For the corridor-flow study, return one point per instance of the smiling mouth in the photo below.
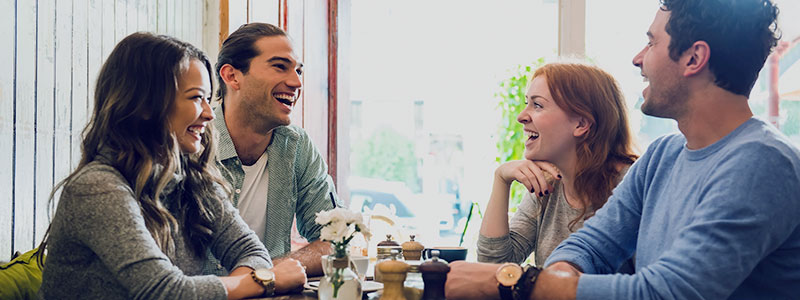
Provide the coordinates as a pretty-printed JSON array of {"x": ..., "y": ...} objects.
[
  {"x": 286, "y": 99},
  {"x": 531, "y": 135}
]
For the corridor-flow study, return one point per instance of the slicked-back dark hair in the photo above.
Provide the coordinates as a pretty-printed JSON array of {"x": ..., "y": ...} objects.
[
  {"x": 740, "y": 33},
  {"x": 239, "y": 49}
]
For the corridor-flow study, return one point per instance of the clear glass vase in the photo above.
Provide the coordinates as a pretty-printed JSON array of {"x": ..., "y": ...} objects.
[{"x": 341, "y": 280}]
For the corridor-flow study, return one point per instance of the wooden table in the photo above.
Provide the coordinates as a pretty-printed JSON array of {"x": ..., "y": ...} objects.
[{"x": 305, "y": 295}]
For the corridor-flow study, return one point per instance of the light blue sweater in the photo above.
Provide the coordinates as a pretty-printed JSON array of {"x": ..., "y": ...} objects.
[{"x": 714, "y": 223}]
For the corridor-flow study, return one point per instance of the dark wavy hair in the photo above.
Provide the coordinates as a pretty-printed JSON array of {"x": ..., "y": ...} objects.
[
  {"x": 239, "y": 49},
  {"x": 740, "y": 33},
  {"x": 593, "y": 94},
  {"x": 135, "y": 93}
]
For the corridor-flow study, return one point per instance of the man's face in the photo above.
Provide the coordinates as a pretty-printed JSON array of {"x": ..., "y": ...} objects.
[
  {"x": 272, "y": 85},
  {"x": 667, "y": 94}
]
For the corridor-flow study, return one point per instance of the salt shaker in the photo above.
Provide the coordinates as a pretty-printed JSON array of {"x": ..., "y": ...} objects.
[
  {"x": 394, "y": 274},
  {"x": 434, "y": 274},
  {"x": 385, "y": 250}
]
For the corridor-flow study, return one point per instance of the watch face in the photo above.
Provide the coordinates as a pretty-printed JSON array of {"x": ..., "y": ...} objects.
[
  {"x": 509, "y": 274},
  {"x": 264, "y": 274}
]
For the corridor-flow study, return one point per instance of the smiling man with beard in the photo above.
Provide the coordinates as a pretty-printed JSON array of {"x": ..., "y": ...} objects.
[{"x": 275, "y": 170}]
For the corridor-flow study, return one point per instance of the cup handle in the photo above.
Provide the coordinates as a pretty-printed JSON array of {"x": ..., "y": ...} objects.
[{"x": 425, "y": 254}]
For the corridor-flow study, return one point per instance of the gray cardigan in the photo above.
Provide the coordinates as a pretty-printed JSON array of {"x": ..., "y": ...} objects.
[{"x": 99, "y": 247}]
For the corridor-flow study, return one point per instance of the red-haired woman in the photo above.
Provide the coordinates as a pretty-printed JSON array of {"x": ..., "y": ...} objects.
[{"x": 578, "y": 147}]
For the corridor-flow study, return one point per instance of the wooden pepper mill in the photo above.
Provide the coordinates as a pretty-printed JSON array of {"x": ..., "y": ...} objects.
[
  {"x": 394, "y": 274},
  {"x": 434, "y": 274},
  {"x": 412, "y": 250}
]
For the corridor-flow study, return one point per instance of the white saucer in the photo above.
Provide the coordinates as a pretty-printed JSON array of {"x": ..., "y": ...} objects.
[{"x": 366, "y": 287}]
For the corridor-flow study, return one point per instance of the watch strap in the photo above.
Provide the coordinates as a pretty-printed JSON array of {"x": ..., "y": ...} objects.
[
  {"x": 506, "y": 292},
  {"x": 269, "y": 285},
  {"x": 524, "y": 287}
]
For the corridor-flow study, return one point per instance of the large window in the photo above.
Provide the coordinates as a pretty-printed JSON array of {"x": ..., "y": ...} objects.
[
  {"x": 422, "y": 106},
  {"x": 611, "y": 42}
]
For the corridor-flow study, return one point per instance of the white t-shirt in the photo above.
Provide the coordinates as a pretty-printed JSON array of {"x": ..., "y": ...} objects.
[{"x": 253, "y": 196}]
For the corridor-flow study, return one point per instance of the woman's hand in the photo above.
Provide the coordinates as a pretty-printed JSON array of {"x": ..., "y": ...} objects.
[
  {"x": 532, "y": 174},
  {"x": 289, "y": 276}
]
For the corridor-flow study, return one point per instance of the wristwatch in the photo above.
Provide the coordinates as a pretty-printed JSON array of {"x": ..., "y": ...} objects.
[
  {"x": 265, "y": 278},
  {"x": 507, "y": 277}
]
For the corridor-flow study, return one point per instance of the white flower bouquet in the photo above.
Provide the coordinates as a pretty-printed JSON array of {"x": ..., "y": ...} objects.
[{"x": 339, "y": 227}]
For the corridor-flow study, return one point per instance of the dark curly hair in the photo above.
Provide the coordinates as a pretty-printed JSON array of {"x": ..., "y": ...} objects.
[{"x": 740, "y": 33}]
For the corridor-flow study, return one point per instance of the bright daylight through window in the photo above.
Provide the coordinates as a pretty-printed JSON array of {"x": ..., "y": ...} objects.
[{"x": 430, "y": 116}]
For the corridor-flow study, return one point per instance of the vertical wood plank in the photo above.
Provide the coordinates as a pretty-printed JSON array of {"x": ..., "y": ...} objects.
[
  {"x": 295, "y": 14},
  {"x": 161, "y": 15},
  {"x": 132, "y": 17},
  {"x": 141, "y": 23},
  {"x": 79, "y": 77},
  {"x": 45, "y": 87},
  {"x": 120, "y": 22},
  {"x": 265, "y": 11},
  {"x": 63, "y": 95},
  {"x": 7, "y": 19},
  {"x": 152, "y": 15},
  {"x": 95, "y": 54},
  {"x": 108, "y": 38},
  {"x": 180, "y": 17},
  {"x": 25, "y": 115},
  {"x": 200, "y": 24},
  {"x": 171, "y": 15},
  {"x": 315, "y": 55}
]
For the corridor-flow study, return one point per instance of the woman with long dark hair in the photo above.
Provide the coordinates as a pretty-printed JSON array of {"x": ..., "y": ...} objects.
[{"x": 137, "y": 217}]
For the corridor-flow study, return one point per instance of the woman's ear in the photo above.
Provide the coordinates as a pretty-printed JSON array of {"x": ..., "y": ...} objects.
[{"x": 582, "y": 127}]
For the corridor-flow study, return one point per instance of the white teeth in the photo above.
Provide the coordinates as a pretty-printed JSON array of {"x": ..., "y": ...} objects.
[
  {"x": 285, "y": 97},
  {"x": 531, "y": 134},
  {"x": 198, "y": 130}
]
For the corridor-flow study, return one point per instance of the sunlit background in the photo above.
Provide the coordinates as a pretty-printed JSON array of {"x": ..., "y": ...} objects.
[{"x": 425, "y": 83}]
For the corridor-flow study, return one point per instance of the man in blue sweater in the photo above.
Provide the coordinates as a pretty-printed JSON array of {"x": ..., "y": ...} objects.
[{"x": 711, "y": 213}]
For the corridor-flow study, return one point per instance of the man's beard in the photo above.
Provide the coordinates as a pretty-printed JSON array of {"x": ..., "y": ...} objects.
[{"x": 667, "y": 102}]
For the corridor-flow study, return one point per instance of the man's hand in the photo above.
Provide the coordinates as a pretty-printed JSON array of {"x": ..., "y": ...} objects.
[
  {"x": 289, "y": 276},
  {"x": 558, "y": 281},
  {"x": 471, "y": 281},
  {"x": 309, "y": 256}
]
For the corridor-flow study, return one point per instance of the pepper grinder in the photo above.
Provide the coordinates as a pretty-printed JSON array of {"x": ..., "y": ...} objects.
[
  {"x": 434, "y": 274},
  {"x": 412, "y": 250},
  {"x": 393, "y": 274}
]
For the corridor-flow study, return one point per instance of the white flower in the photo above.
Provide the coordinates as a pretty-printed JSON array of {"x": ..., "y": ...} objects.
[
  {"x": 335, "y": 231},
  {"x": 340, "y": 224}
]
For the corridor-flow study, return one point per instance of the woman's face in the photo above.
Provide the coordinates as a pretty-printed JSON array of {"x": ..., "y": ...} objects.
[
  {"x": 549, "y": 130},
  {"x": 191, "y": 111}
]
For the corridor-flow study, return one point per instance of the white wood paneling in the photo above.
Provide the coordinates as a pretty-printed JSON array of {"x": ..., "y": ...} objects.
[
  {"x": 79, "y": 78},
  {"x": 264, "y": 11},
  {"x": 107, "y": 30},
  {"x": 24, "y": 116},
  {"x": 55, "y": 51},
  {"x": 63, "y": 95},
  {"x": 7, "y": 27},
  {"x": 161, "y": 16},
  {"x": 45, "y": 88}
]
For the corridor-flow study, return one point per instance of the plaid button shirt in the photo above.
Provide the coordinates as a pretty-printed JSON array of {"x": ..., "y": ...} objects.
[{"x": 299, "y": 183}]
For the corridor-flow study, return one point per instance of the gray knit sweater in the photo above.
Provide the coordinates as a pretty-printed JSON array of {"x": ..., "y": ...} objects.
[
  {"x": 536, "y": 229},
  {"x": 99, "y": 247},
  {"x": 532, "y": 230}
]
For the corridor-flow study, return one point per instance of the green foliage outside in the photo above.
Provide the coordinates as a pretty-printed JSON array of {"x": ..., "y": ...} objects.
[
  {"x": 387, "y": 155},
  {"x": 510, "y": 138}
]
